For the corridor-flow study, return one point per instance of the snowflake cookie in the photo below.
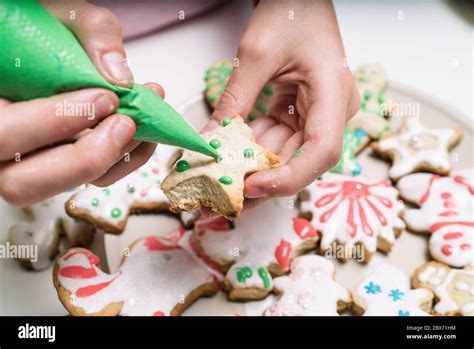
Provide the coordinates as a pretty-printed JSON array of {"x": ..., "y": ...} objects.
[
  {"x": 259, "y": 245},
  {"x": 158, "y": 276},
  {"x": 198, "y": 180},
  {"x": 216, "y": 79},
  {"x": 352, "y": 211},
  {"x": 453, "y": 288},
  {"x": 446, "y": 206},
  {"x": 51, "y": 230},
  {"x": 309, "y": 290},
  {"x": 139, "y": 192},
  {"x": 418, "y": 148},
  {"x": 353, "y": 143},
  {"x": 387, "y": 292}
]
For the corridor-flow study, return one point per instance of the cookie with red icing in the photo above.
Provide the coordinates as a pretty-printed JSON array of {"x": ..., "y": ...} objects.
[
  {"x": 139, "y": 192},
  {"x": 445, "y": 210},
  {"x": 352, "y": 211},
  {"x": 254, "y": 248},
  {"x": 159, "y": 276}
]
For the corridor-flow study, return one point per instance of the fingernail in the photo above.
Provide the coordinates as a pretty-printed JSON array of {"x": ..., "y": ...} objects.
[
  {"x": 104, "y": 105},
  {"x": 255, "y": 192},
  {"x": 121, "y": 132},
  {"x": 116, "y": 66}
]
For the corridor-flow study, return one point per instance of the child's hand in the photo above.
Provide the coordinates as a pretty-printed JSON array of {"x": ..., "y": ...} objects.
[
  {"x": 303, "y": 58},
  {"x": 35, "y": 162}
]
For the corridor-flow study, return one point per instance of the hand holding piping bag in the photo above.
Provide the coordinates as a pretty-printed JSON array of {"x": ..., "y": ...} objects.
[{"x": 304, "y": 60}]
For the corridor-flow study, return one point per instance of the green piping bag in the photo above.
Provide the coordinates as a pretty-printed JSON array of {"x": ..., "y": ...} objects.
[{"x": 39, "y": 57}]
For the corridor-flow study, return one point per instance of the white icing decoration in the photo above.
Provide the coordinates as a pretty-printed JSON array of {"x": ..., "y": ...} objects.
[
  {"x": 416, "y": 144},
  {"x": 386, "y": 292},
  {"x": 335, "y": 189},
  {"x": 433, "y": 276},
  {"x": 309, "y": 290}
]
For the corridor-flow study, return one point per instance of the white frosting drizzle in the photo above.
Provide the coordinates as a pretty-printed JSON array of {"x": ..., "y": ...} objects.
[{"x": 309, "y": 290}]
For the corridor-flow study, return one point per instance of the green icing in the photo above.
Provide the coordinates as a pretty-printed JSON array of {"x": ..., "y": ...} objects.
[
  {"x": 116, "y": 213},
  {"x": 226, "y": 180},
  {"x": 260, "y": 107},
  {"x": 106, "y": 191},
  {"x": 144, "y": 174},
  {"x": 251, "y": 117},
  {"x": 267, "y": 90},
  {"x": 243, "y": 274},
  {"x": 367, "y": 94},
  {"x": 182, "y": 165},
  {"x": 95, "y": 202},
  {"x": 262, "y": 272},
  {"x": 297, "y": 153},
  {"x": 351, "y": 142},
  {"x": 248, "y": 153},
  {"x": 225, "y": 122},
  {"x": 215, "y": 143}
]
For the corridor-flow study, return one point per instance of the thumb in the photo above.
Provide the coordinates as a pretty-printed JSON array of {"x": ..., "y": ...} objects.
[
  {"x": 99, "y": 33},
  {"x": 245, "y": 83}
]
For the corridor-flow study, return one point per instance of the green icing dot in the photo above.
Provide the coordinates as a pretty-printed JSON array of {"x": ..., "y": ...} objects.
[
  {"x": 182, "y": 166},
  {"x": 267, "y": 90},
  {"x": 106, "y": 191},
  {"x": 215, "y": 143},
  {"x": 226, "y": 180},
  {"x": 243, "y": 274},
  {"x": 95, "y": 202},
  {"x": 116, "y": 213},
  {"x": 381, "y": 97},
  {"x": 144, "y": 174},
  {"x": 367, "y": 95},
  {"x": 297, "y": 153},
  {"x": 260, "y": 107},
  {"x": 363, "y": 105},
  {"x": 248, "y": 153},
  {"x": 264, "y": 276},
  {"x": 225, "y": 122},
  {"x": 252, "y": 117}
]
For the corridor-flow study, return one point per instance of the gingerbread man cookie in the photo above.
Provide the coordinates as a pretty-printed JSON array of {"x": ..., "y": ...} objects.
[
  {"x": 446, "y": 206},
  {"x": 216, "y": 79},
  {"x": 139, "y": 192},
  {"x": 352, "y": 211},
  {"x": 386, "y": 292},
  {"x": 454, "y": 288},
  {"x": 198, "y": 180},
  {"x": 310, "y": 290},
  {"x": 371, "y": 81},
  {"x": 353, "y": 143},
  {"x": 418, "y": 148},
  {"x": 251, "y": 253},
  {"x": 157, "y": 277},
  {"x": 51, "y": 230}
]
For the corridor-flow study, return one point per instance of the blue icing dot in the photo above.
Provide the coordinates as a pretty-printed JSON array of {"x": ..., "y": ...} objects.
[
  {"x": 358, "y": 170},
  {"x": 360, "y": 133},
  {"x": 403, "y": 313}
]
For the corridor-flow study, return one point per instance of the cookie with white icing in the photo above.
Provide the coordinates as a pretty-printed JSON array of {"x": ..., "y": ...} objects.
[
  {"x": 216, "y": 79},
  {"x": 445, "y": 210},
  {"x": 371, "y": 81},
  {"x": 354, "y": 141},
  {"x": 309, "y": 290},
  {"x": 350, "y": 211},
  {"x": 387, "y": 292},
  {"x": 50, "y": 229},
  {"x": 257, "y": 246},
  {"x": 139, "y": 192},
  {"x": 453, "y": 288},
  {"x": 158, "y": 277},
  {"x": 418, "y": 148},
  {"x": 198, "y": 180}
]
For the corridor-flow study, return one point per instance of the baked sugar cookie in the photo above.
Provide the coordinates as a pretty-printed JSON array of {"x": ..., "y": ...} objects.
[
  {"x": 257, "y": 246},
  {"x": 387, "y": 292},
  {"x": 157, "y": 277},
  {"x": 418, "y": 148},
  {"x": 352, "y": 211},
  {"x": 139, "y": 192},
  {"x": 51, "y": 230},
  {"x": 309, "y": 290},
  {"x": 198, "y": 180},
  {"x": 453, "y": 288},
  {"x": 353, "y": 143},
  {"x": 446, "y": 206}
]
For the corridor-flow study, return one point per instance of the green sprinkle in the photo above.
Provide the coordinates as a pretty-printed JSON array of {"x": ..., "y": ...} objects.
[
  {"x": 367, "y": 94},
  {"x": 106, "y": 191},
  {"x": 182, "y": 166},
  {"x": 260, "y": 107},
  {"x": 381, "y": 97},
  {"x": 215, "y": 143},
  {"x": 116, "y": 213},
  {"x": 267, "y": 90},
  {"x": 363, "y": 105},
  {"x": 297, "y": 153},
  {"x": 95, "y": 202},
  {"x": 212, "y": 98},
  {"x": 248, "y": 153},
  {"x": 225, "y": 122},
  {"x": 226, "y": 180},
  {"x": 251, "y": 117},
  {"x": 144, "y": 174}
]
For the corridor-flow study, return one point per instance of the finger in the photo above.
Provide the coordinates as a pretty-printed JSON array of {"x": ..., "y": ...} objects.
[
  {"x": 47, "y": 120},
  {"x": 291, "y": 146},
  {"x": 99, "y": 33},
  {"x": 261, "y": 125},
  {"x": 138, "y": 158},
  {"x": 274, "y": 139},
  {"x": 158, "y": 89},
  {"x": 51, "y": 171}
]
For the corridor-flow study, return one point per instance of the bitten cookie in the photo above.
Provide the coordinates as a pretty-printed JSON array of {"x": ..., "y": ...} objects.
[
  {"x": 310, "y": 290},
  {"x": 453, "y": 288},
  {"x": 157, "y": 277},
  {"x": 446, "y": 206},
  {"x": 198, "y": 180},
  {"x": 371, "y": 81},
  {"x": 249, "y": 252},
  {"x": 387, "y": 292},
  {"x": 418, "y": 148},
  {"x": 352, "y": 211},
  {"x": 139, "y": 192},
  {"x": 216, "y": 79},
  {"x": 353, "y": 143},
  {"x": 51, "y": 230}
]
